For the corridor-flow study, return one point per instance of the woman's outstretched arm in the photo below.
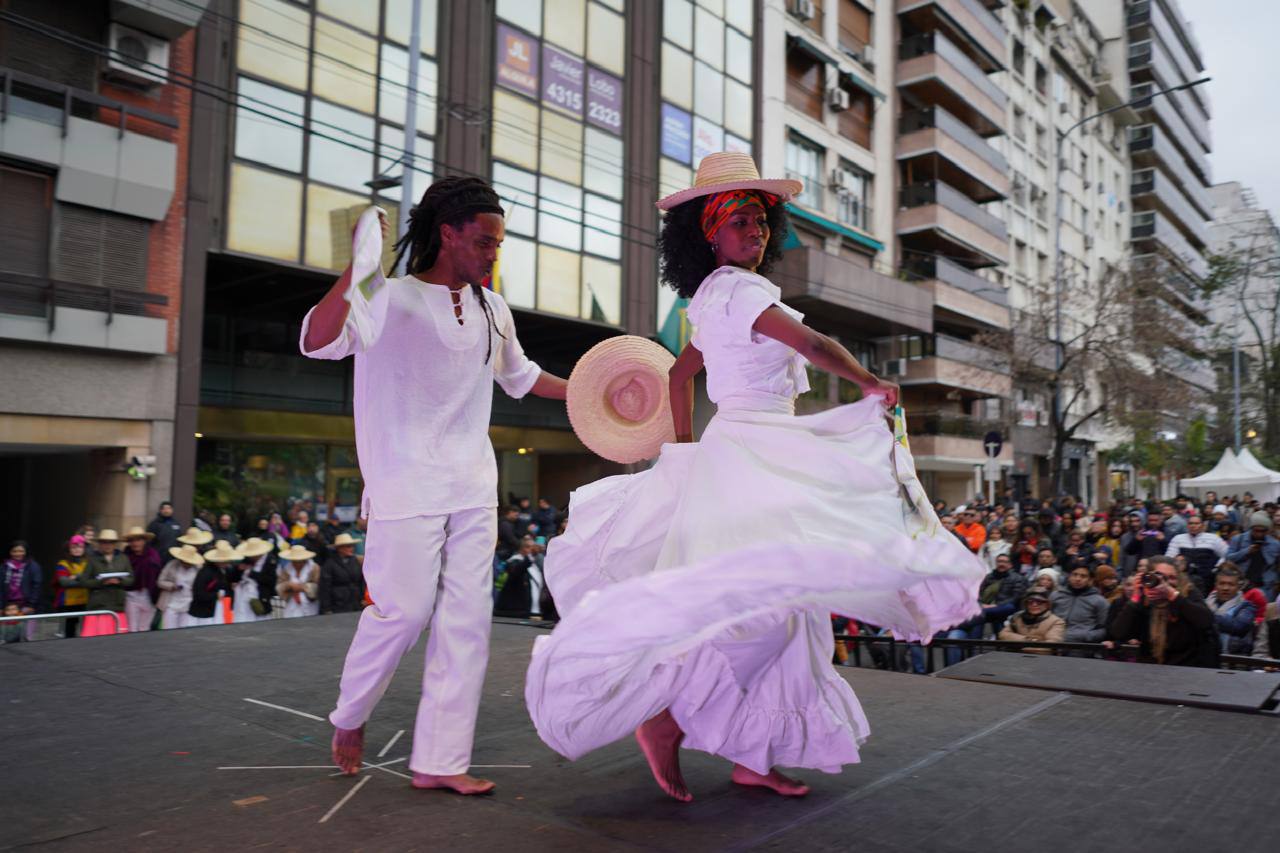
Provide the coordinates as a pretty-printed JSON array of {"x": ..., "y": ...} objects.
[
  {"x": 822, "y": 352},
  {"x": 680, "y": 378}
]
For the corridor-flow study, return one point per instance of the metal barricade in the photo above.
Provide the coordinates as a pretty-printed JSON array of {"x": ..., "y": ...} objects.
[{"x": 75, "y": 614}]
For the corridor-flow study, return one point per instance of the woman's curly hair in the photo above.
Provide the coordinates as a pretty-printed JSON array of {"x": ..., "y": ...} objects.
[{"x": 685, "y": 256}]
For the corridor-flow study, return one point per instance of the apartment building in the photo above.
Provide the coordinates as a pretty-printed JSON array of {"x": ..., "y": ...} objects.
[
  {"x": 94, "y": 134},
  {"x": 885, "y": 110}
]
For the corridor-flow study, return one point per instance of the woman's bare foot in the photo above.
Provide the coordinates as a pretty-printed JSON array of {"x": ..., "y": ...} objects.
[
  {"x": 784, "y": 785},
  {"x": 348, "y": 749},
  {"x": 660, "y": 738},
  {"x": 461, "y": 783}
]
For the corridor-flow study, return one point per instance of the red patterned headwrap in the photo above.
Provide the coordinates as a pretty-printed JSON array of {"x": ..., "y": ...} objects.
[{"x": 718, "y": 207}]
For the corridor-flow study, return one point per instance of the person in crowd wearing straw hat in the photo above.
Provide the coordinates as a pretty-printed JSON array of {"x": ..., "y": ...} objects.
[
  {"x": 711, "y": 629},
  {"x": 177, "y": 579},
  {"x": 341, "y": 581},
  {"x": 212, "y": 584},
  {"x": 107, "y": 576},
  {"x": 298, "y": 582},
  {"x": 140, "y": 596},
  {"x": 196, "y": 538},
  {"x": 428, "y": 348},
  {"x": 257, "y": 581}
]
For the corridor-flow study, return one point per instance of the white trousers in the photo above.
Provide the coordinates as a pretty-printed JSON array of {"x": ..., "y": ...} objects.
[
  {"x": 139, "y": 610},
  {"x": 424, "y": 572}
]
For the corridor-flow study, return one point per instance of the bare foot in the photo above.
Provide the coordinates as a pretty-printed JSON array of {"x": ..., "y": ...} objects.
[
  {"x": 660, "y": 738},
  {"x": 461, "y": 783},
  {"x": 784, "y": 785},
  {"x": 348, "y": 749}
]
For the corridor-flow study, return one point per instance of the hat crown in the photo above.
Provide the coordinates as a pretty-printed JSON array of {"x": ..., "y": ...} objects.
[
  {"x": 725, "y": 167},
  {"x": 108, "y": 535}
]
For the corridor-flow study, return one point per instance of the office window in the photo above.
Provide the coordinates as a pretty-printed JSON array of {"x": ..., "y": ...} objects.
[
  {"x": 264, "y": 213},
  {"x": 399, "y": 14},
  {"x": 332, "y": 161},
  {"x": 335, "y": 78},
  {"x": 559, "y": 214},
  {"x": 331, "y": 216},
  {"x": 677, "y": 22},
  {"x": 677, "y": 76},
  {"x": 26, "y": 208},
  {"x": 393, "y": 89},
  {"x": 855, "y": 122},
  {"x": 261, "y": 138},
  {"x": 852, "y": 196},
  {"x": 606, "y": 39},
  {"x": 516, "y": 271},
  {"x": 564, "y": 23},
  {"x": 601, "y": 291},
  {"x": 708, "y": 93},
  {"x": 564, "y": 269},
  {"x": 273, "y": 40},
  {"x": 602, "y": 227},
  {"x": 708, "y": 38},
  {"x": 357, "y": 13}
]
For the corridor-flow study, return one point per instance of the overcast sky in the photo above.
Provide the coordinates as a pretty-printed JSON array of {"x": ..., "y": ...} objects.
[{"x": 1239, "y": 41}]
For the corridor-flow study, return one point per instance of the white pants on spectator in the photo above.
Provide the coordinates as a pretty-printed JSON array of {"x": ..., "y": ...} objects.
[
  {"x": 425, "y": 572},
  {"x": 176, "y": 619},
  {"x": 139, "y": 610},
  {"x": 535, "y": 590}
]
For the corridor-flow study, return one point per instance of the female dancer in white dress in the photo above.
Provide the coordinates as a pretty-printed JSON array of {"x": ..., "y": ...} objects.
[{"x": 696, "y": 595}]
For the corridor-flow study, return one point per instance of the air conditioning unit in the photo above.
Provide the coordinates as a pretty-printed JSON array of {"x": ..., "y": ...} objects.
[
  {"x": 1088, "y": 242},
  {"x": 1064, "y": 107},
  {"x": 840, "y": 179},
  {"x": 894, "y": 367},
  {"x": 137, "y": 57},
  {"x": 838, "y": 99},
  {"x": 803, "y": 9}
]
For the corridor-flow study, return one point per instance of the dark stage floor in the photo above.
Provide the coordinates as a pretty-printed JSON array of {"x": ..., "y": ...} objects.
[{"x": 142, "y": 742}]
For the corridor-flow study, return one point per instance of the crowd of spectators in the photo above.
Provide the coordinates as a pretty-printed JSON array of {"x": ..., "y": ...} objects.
[
  {"x": 218, "y": 570},
  {"x": 1177, "y": 582}
]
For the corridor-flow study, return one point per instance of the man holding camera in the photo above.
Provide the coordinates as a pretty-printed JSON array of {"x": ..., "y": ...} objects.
[{"x": 1166, "y": 619}]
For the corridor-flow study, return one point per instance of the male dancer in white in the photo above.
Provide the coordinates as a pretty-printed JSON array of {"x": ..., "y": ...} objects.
[{"x": 428, "y": 348}]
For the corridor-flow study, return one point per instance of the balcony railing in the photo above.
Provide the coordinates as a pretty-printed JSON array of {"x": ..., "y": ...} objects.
[
  {"x": 1152, "y": 225},
  {"x": 941, "y": 269},
  {"x": 1172, "y": 120},
  {"x": 945, "y": 346},
  {"x": 936, "y": 192},
  {"x": 54, "y": 103},
  {"x": 1152, "y": 138},
  {"x": 937, "y": 117},
  {"x": 29, "y": 296},
  {"x": 950, "y": 423},
  {"x": 1156, "y": 183},
  {"x": 924, "y": 44}
]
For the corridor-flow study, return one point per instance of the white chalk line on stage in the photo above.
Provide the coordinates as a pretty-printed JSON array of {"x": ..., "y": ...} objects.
[
  {"x": 342, "y": 802},
  {"x": 391, "y": 743},
  {"x": 285, "y": 767},
  {"x": 383, "y": 766},
  {"x": 932, "y": 758},
  {"x": 286, "y": 710},
  {"x": 507, "y": 766}
]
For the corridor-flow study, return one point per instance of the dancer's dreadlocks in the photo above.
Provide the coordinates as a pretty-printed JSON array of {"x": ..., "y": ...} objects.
[{"x": 453, "y": 202}]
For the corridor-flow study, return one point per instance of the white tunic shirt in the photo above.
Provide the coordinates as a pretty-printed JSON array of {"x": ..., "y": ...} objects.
[
  {"x": 737, "y": 359},
  {"x": 423, "y": 394}
]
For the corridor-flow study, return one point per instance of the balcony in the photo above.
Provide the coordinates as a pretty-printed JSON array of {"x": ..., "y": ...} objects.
[
  {"x": 44, "y": 311},
  {"x": 938, "y": 218},
  {"x": 1152, "y": 189},
  {"x": 961, "y": 297},
  {"x": 974, "y": 29},
  {"x": 849, "y": 295},
  {"x": 949, "y": 149},
  {"x": 1152, "y": 234},
  {"x": 952, "y": 441},
  {"x": 1145, "y": 22},
  {"x": 1149, "y": 62},
  {"x": 1150, "y": 147},
  {"x": 108, "y": 155},
  {"x": 1162, "y": 111},
  {"x": 932, "y": 70},
  {"x": 955, "y": 364}
]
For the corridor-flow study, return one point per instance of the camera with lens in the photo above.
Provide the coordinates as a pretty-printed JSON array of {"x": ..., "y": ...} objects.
[{"x": 1151, "y": 580}]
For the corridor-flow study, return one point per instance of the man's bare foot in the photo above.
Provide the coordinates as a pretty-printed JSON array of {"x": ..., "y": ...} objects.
[
  {"x": 461, "y": 783},
  {"x": 784, "y": 785},
  {"x": 348, "y": 749},
  {"x": 660, "y": 738}
]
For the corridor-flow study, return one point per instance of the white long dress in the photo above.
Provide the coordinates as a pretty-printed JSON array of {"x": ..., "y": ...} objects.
[
  {"x": 705, "y": 584},
  {"x": 298, "y": 603},
  {"x": 246, "y": 591}
]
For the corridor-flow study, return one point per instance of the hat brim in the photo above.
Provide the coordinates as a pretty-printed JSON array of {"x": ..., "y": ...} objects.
[
  {"x": 247, "y": 552},
  {"x": 297, "y": 558},
  {"x": 784, "y": 188},
  {"x": 595, "y": 422},
  {"x": 144, "y": 535},
  {"x": 177, "y": 554}
]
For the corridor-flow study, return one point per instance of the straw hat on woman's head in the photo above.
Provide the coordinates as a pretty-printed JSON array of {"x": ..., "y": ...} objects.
[
  {"x": 254, "y": 547},
  {"x": 137, "y": 532},
  {"x": 222, "y": 552},
  {"x": 296, "y": 554},
  {"x": 344, "y": 539},
  {"x": 618, "y": 400},
  {"x": 731, "y": 170},
  {"x": 196, "y": 536},
  {"x": 187, "y": 554}
]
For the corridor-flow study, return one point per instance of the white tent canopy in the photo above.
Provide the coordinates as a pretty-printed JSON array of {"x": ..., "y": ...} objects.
[{"x": 1236, "y": 474}]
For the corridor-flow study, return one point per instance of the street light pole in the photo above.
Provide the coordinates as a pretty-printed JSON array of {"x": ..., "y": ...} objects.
[
  {"x": 1060, "y": 137},
  {"x": 410, "y": 128}
]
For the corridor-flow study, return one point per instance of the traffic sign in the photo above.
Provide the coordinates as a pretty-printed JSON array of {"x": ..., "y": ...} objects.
[{"x": 992, "y": 443}]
